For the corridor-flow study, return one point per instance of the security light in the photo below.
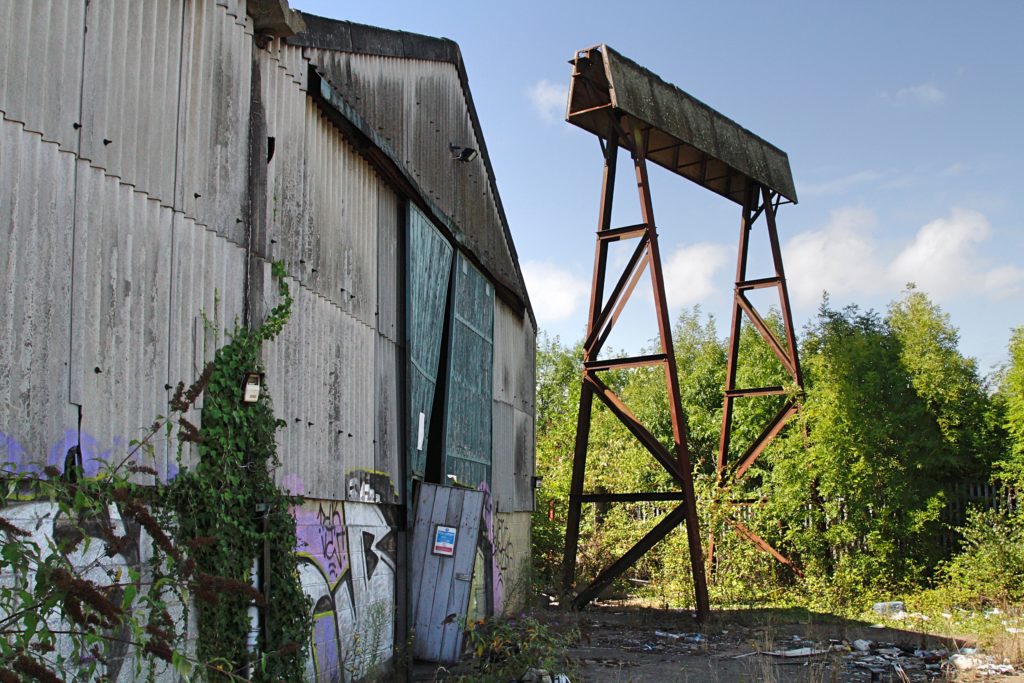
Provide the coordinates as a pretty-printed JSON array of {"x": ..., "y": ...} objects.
[{"x": 462, "y": 153}]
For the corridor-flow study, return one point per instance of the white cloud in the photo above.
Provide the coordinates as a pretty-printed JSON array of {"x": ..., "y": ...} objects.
[
  {"x": 556, "y": 294},
  {"x": 845, "y": 259},
  {"x": 841, "y": 258},
  {"x": 923, "y": 93},
  {"x": 841, "y": 184},
  {"x": 548, "y": 100},
  {"x": 943, "y": 260},
  {"x": 690, "y": 273}
]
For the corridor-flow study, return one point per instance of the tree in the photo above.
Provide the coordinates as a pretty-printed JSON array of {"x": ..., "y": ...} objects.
[
  {"x": 1010, "y": 469},
  {"x": 949, "y": 384},
  {"x": 861, "y": 503}
]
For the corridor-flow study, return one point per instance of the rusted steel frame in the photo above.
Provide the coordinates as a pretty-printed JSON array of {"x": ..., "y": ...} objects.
[
  {"x": 619, "y": 295},
  {"x": 672, "y": 382},
  {"x": 604, "y": 579},
  {"x": 758, "y": 391},
  {"x": 780, "y": 272},
  {"x": 626, "y": 417},
  {"x": 625, "y": 363},
  {"x": 616, "y": 234},
  {"x": 631, "y": 497},
  {"x": 601, "y": 247},
  {"x": 762, "y": 327},
  {"x": 764, "y": 545},
  {"x": 766, "y": 436},
  {"x": 734, "y": 333},
  {"x": 579, "y": 460},
  {"x": 638, "y": 272},
  {"x": 757, "y": 284}
]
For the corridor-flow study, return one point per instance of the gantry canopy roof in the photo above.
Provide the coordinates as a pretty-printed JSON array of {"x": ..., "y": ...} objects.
[{"x": 685, "y": 135}]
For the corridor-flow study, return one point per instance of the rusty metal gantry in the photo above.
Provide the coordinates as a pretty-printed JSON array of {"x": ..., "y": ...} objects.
[{"x": 627, "y": 106}]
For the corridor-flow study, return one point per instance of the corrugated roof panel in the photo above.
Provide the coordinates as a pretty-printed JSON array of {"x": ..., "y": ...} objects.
[
  {"x": 320, "y": 371},
  {"x": 213, "y": 149},
  {"x": 683, "y": 130},
  {"x": 119, "y": 333},
  {"x": 130, "y": 92},
  {"x": 36, "y": 209},
  {"x": 419, "y": 108},
  {"x": 41, "y": 78}
]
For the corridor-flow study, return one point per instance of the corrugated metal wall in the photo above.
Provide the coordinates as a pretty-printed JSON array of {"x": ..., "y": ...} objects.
[
  {"x": 35, "y": 295},
  {"x": 320, "y": 372},
  {"x": 41, "y": 78},
  {"x": 335, "y": 225},
  {"x": 389, "y": 355},
  {"x": 130, "y": 92},
  {"x": 213, "y": 114},
  {"x": 467, "y": 444},
  {"x": 125, "y": 175},
  {"x": 513, "y": 431}
]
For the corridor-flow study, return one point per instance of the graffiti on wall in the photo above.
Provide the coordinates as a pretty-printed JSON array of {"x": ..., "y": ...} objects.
[
  {"x": 347, "y": 566},
  {"x": 371, "y": 487},
  {"x": 98, "y": 562},
  {"x": 490, "y": 540}
]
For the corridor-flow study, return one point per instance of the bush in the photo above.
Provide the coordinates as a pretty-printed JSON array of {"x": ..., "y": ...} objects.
[{"x": 989, "y": 570}]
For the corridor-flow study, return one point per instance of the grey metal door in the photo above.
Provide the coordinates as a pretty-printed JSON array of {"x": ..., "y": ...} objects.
[{"x": 441, "y": 582}]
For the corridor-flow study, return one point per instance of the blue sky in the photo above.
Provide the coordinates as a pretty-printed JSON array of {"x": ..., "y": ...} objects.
[{"x": 902, "y": 122}]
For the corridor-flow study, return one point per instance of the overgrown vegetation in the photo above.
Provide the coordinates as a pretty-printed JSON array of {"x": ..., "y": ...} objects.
[
  {"x": 230, "y": 509},
  {"x": 858, "y": 490},
  {"x": 505, "y": 649},
  {"x": 72, "y": 608}
]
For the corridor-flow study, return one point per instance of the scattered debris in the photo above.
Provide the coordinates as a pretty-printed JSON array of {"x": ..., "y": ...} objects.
[
  {"x": 542, "y": 676},
  {"x": 888, "y": 608},
  {"x": 797, "y": 652}
]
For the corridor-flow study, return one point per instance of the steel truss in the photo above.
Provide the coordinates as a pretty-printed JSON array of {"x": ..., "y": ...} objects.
[
  {"x": 604, "y": 313},
  {"x": 759, "y": 202},
  {"x": 602, "y": 318}
]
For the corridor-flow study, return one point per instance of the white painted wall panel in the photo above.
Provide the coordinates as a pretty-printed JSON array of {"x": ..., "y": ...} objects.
[
  {"x": 213, "y": 115},
  {"x": 41, "y": 78},
  {"x": 36, "y": 214},
  {"x": 131, "y": 90},
  {"x": 320, "y": 372},
  {"x": 119, "y": 332}
]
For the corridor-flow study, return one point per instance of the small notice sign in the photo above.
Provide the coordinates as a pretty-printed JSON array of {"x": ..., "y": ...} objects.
[{"x": 444, "y": 540}]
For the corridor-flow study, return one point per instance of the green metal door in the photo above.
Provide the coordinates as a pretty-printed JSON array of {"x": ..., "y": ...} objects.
[
  {"x": 429, "y": 257},
  {"x": 467, "y": 444}
]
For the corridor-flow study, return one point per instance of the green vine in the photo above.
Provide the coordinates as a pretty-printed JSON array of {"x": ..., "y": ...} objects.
[{"x": 229, "y": 511}]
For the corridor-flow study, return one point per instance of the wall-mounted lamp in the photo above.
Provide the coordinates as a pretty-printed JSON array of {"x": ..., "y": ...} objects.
[
  {"x": 252, "y": 383},
  {"x": 462, "y": 153}
]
